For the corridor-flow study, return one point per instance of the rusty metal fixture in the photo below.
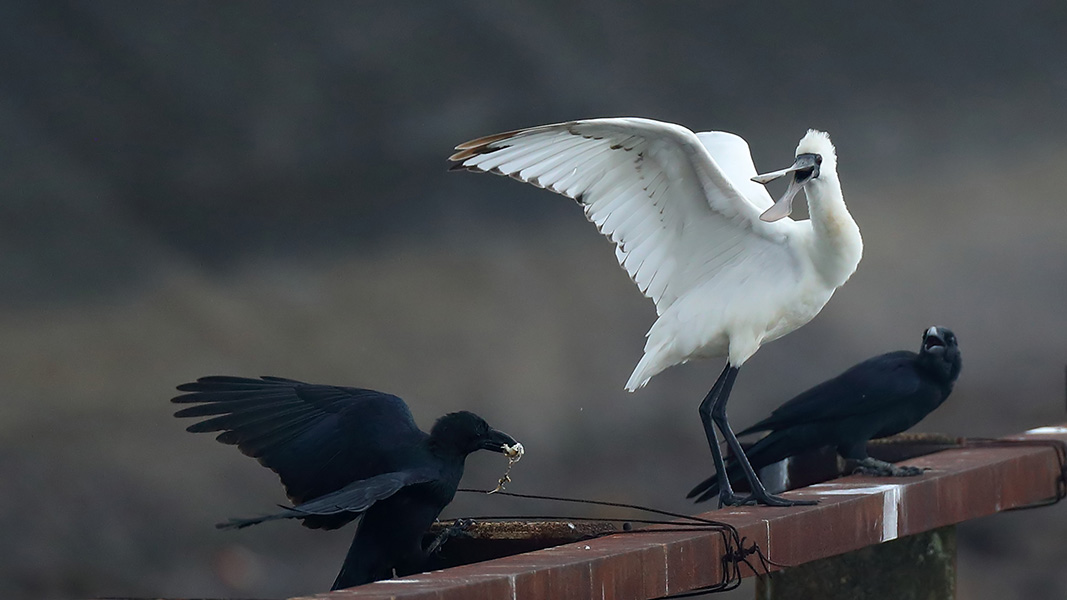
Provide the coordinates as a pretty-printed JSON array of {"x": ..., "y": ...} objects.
[{"x": 486, "y": 540}]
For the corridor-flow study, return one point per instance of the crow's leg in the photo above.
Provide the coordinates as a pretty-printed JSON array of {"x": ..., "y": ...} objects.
[{"x": 457, "y": 529}]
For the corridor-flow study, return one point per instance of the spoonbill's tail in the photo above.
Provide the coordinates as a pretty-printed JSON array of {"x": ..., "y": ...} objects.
[{"x": 650, "y": 365}]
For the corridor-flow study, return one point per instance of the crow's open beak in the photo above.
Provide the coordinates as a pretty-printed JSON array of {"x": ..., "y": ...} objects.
[
  {"x": 804, "y": 170},
  {"x": 498, "y": 441},
  {"x": 933, "y": 339}
]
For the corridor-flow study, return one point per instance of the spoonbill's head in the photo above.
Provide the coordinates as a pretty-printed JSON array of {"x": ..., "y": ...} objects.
[
  {"x": 815, "y": 156},
  {"x": 940, "y": 352}
]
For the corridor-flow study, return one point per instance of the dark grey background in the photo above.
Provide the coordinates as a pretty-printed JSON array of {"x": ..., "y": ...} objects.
[{"x": 257, "y": 188}]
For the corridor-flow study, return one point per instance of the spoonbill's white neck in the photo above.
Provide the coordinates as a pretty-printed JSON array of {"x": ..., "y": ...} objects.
[{"x": 836, "y": 246}]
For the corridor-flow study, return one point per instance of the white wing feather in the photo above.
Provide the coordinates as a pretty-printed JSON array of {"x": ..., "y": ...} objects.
[
  {"x": 732, "y": 155},
  {"x": 679, "y": 206}
]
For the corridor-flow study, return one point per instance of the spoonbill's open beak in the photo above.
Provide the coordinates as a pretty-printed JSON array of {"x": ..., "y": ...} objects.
[{"x": 804, "y": 170}]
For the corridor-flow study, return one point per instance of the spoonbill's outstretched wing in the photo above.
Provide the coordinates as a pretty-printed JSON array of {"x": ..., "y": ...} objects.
[
  {"x": 731, "y": 154},
  {"x": 677, "y": 217}
]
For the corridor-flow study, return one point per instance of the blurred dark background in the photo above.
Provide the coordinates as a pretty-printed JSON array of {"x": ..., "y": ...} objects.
[{"x": 261, "y": 188}]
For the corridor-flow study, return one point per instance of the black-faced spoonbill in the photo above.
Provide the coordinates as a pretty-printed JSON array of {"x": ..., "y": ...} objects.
[
  {"x": 699, "y": 235},
  {"x": 879, "y": 397}
]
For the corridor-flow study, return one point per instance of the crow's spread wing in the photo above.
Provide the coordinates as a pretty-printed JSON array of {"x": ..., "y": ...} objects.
[
  {"x": 317, "y": 438},
  {"x": 354, "y": 498}
]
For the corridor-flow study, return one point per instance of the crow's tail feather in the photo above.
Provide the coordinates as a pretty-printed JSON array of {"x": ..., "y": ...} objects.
[
  {"x": 287, "y": 513},
  {"x": 767, "y": 451}
]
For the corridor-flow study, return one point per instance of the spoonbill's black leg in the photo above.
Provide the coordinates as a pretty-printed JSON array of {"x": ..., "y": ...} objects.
[
  {"x": 759, "y": 494},
  {"x": 726, "y": 493}
]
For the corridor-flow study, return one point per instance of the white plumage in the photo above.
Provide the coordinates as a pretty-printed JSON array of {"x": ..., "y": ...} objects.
[{"x": 684, "y": 213}]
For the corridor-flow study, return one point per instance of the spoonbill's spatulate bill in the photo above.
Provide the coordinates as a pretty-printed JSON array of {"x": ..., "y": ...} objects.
[
  {"x": 879, "y": 397},
  {"x": 342, "y": 452},
  {"x": 699, "y": 235}
]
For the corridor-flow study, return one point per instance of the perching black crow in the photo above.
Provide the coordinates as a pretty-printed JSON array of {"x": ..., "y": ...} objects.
[
  {"x": 880, "y": 396},
  {"x": 342, "y": 452}
]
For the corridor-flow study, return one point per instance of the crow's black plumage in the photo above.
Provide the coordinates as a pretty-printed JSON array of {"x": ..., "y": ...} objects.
[
  {"x": 878, "y": 397},
  {"x": 343, "y": 452}
]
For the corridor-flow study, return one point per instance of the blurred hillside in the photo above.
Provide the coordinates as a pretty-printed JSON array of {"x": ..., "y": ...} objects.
[{"x": 202, "y": 188}]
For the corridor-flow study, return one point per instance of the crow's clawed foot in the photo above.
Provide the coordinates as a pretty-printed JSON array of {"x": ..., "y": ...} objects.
[
  {"x": 880, "y": 468},
  {"x": 457, "y": 529}
]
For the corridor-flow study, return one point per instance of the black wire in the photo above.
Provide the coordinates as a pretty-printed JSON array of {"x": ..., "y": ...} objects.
[{"x": 604, "y": 503}]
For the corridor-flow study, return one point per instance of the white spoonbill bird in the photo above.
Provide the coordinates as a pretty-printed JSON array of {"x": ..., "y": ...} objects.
[{"x": 699, "y": 235}]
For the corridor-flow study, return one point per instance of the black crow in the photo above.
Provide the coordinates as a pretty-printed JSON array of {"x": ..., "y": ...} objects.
[
  {"x": 880, "y": 396},
  {"x": 343, "y": 452}
]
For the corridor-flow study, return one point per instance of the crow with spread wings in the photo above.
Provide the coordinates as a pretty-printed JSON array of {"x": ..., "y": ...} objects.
[{"x": 343, "y": 453}]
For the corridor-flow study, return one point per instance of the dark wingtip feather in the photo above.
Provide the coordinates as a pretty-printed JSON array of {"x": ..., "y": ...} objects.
[
  {"x": 200, "y": 410},
  {"x": 231, "y": 438},
  {"x": 462, "y": 155},
  {"x": 240, "y": 523},
  {"x": 709, "y": 488},
  {"x": 273, "y": 379},
  {"x": 226, "y": 379},
  {"x": 185, "y": 398},
  {"x": 214, "y": 382},
  {"x": 288, "y": 512},
  {"x": 484, "y": 141},
  {"x": 228, "y": 383},
  {"x": 203, "y": 427}
]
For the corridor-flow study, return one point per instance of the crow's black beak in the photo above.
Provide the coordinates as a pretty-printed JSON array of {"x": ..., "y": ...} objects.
[
  {"x": 496, "y": 440},
  {"x": 933, "y": 340}
]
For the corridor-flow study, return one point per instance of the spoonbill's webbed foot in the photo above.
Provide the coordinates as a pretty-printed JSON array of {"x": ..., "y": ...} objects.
[
  {"x": 762, "y": 499},
  {"x": 732, "y": 499},
  {"x": 880, "y": 468},
  {"x": 457, "y": 529}
]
